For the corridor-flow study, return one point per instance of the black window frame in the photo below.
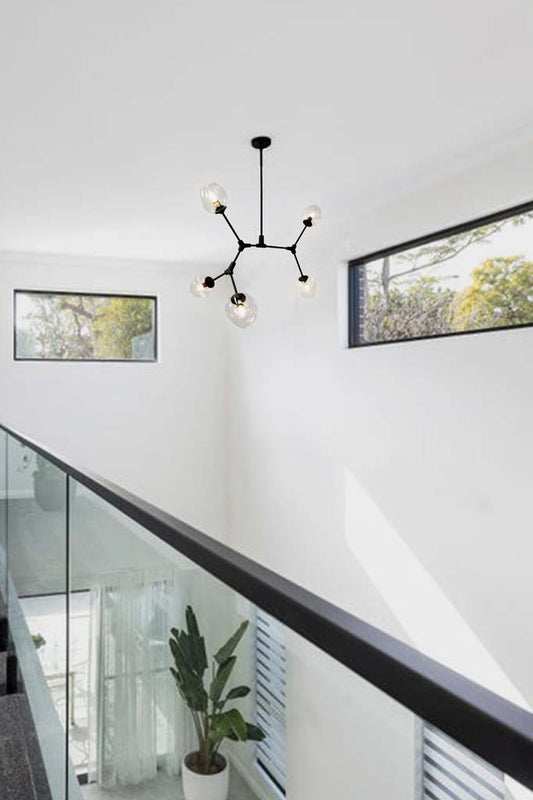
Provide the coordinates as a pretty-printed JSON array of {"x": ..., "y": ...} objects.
[
  {"x": 355, "y": 299},
  {"x": 75, "y": 293}
]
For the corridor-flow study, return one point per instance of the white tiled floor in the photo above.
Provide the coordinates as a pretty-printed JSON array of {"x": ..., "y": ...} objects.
[{"x": 162, "y": 788}]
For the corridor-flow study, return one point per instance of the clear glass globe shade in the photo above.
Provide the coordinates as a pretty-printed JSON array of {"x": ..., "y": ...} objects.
[
  {"x": 308, "y": 287},
  {"x": 312, "y": 212},
  {"x": 197, "y": 287},
  {"x": 212, "y": 196},
  {"x": 242, "y": 314}
]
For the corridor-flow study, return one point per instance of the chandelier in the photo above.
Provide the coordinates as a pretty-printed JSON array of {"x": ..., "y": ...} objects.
[{"x": 241, "y": 308}]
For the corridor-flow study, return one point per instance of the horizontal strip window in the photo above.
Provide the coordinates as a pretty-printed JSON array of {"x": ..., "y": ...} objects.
[
  {"x": 451, "y": 772},
  {"x": 60, "y": 326},
  {"x": 270, "y": 698},
  {"x": 471, "y": 278}
]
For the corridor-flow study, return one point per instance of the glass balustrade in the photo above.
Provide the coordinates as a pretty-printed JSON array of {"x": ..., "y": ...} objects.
[
  {"x": 36, "y": 519},
  {"x": 95, "y": 597},
  {"x": 3, "y": 536}
]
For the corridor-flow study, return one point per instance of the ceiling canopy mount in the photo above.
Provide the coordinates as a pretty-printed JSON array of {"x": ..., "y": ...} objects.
[{"x": 261, "y": 142}]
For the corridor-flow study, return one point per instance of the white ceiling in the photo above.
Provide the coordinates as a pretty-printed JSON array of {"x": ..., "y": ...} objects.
[{"x": 115, "y": 112}]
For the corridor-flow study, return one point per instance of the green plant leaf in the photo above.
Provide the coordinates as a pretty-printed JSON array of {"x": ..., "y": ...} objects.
[
  {"x": 231, "y": 724},
  {"x": 189, "y": 683},
  {"x": 192, "y": 624},
  {"x": 221, "y": 725},
  {"x": 199, "y": 654},
  {"x": 221, "y": 678},
  {"x": 177, "y": 678},
  {"x": 178, "y": 655},
  {"x": 237, "y": 723},
  {"x": 180, "y": 658},
  {"x": 227, "y": 650},
  {"x": 254, "y": 733},
  {"x": 238, "y": 691},
  {"x": 191, "y": 645}
]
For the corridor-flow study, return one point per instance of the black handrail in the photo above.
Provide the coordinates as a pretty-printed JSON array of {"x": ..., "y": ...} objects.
[{"x": 484, "y": 722}]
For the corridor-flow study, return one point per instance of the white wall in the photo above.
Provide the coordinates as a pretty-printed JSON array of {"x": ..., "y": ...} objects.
[
  {"x": 157, "y": 429},
  {"x": 428, "y": 441},
  {"x": 331, "y": 452}
]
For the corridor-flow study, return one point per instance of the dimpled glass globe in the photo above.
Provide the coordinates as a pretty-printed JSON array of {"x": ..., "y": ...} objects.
[
  {"x": 197, "y": 287},
  {"x": 212, "y": 196},
  {"x": 242, "y": 314},
  {"x": 308, "y": 287},
  {"x": 312, "y": 212}
]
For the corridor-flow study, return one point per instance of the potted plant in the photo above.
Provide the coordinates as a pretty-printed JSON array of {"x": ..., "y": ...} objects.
[
  {"x": 38, "y": 640},
  {"x": 49, "y": 486},
  {"x": 49, "y": 483},
  {"x": 205, "y": 771}
]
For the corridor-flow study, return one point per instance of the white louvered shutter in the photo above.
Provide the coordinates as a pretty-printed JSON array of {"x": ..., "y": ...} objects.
[
  {"x": 270, "y": 663},
  {"x": 451, "y": 772}
]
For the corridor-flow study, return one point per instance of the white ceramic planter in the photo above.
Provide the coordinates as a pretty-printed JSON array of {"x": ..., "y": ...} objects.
[{"x": 205, "y": 787}]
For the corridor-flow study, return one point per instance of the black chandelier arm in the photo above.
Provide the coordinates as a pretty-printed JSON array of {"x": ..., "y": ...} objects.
[
  {"x": 223, "y": 214},
  {"x": 301, "y": 234},
  {"x": 233, "y": 282},
  {"x": 229, "y": 269},
  {"x": 297, "y": 262}
]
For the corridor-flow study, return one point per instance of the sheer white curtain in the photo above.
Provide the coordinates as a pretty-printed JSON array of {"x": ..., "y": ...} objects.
[{"x": 137, "y": 721}]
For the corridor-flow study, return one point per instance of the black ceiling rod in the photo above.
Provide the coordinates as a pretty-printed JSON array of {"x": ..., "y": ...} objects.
[
  {"x": 261, "y": 237},
  {"x": 261, "y": 143}
]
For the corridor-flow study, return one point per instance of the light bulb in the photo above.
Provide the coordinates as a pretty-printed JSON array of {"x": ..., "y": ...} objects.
[
  {"x": 308, "y": 286},
  {"x": 198, "y": 287},
  {"x": 311, "y": 215},
  {"x": 241, "y": 309},
  {"x": 213, "y": 197}
]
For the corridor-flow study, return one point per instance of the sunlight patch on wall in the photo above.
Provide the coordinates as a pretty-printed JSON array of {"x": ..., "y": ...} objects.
[{"x": 429, "y": 619}]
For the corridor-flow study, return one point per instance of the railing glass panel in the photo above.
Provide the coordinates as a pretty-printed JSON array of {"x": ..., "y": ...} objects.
[
  {"x": 37, "y": 559},
  {"x": 134, "y": 725},
  {"x": 355, "y": 741},
  {"x": 3, "y": 538}
]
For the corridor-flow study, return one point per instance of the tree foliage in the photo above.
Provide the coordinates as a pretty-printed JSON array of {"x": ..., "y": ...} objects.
[
  {"x": 501, "y": 293},
  {"x": 423, "y": 309},
  {"x": 85, "y": 327},
  {"x": 412, "y": 299},
  {"x": 118, "y": 323}
]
